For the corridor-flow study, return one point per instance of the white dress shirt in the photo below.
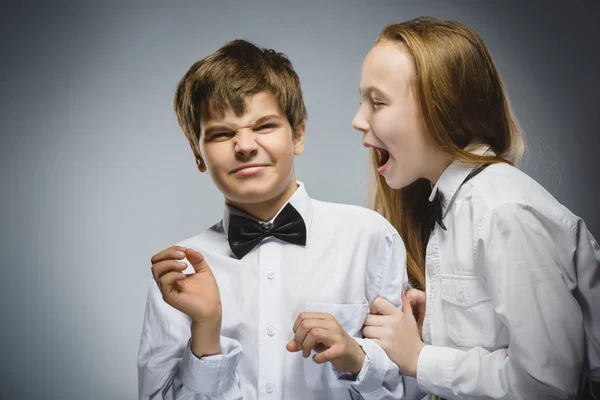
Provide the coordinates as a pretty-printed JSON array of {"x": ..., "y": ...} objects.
[
  {"x": 510, "y": 286},
  {"x": 352, "y": 255}
]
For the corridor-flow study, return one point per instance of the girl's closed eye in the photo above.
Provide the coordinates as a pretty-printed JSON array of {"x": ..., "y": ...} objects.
[{"x": 376, "y": 104}]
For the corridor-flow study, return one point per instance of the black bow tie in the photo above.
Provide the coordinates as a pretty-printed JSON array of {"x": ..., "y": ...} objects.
[
  {"x": 244, "y": 234},
  {"x": 436, "y": 205}
]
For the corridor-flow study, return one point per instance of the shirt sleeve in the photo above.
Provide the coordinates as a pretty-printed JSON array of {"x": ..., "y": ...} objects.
[
  {"x": 167, "y": 368},
  {"x": 386, "y": 277},
  {"x": 515, "y": 247},
  {"x": 587, "y": 267}
]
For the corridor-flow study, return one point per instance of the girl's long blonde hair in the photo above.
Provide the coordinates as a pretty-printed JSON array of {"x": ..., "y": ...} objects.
[{"x": 462, "y": 101}]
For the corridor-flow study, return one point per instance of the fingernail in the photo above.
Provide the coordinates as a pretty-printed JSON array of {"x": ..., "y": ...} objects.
[
  {"x": 180, "y": 253},
  {"x": 182, "y": 264}
]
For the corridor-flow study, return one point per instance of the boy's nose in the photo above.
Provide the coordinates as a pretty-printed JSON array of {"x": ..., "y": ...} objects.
[{"x": 246, "y": 146}]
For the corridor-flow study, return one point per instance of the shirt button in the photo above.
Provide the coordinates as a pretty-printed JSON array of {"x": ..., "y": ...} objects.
[
  {"x": 271, "y": 331},
  {"x": 460, "y": 296},
  {"x": 268, "y": 226},
  {"x": 270, "y": 274},
  {"x": 269, "y": 388}
]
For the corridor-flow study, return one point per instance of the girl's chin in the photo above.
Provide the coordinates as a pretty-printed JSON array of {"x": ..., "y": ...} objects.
[{"x": 397, "y": 181}]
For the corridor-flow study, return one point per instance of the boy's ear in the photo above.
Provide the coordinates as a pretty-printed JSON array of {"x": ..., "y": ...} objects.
[
  {"x": 199, "y": 160},
  {"x": 299, "y": 139},
  {"x": 200, "y": 164}
]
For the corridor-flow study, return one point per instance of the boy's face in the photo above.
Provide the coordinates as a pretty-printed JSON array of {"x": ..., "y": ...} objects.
[{"x": 251, "y": 157}]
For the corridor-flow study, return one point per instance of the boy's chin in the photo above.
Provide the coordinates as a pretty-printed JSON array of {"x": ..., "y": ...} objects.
[{"x": 252, "y": 194}]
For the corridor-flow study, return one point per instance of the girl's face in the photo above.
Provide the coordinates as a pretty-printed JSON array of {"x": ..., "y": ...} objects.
[{"x": 390, "y": 120}]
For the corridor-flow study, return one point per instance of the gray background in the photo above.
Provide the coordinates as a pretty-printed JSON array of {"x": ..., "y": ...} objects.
[{"x": 96, "y": 175}]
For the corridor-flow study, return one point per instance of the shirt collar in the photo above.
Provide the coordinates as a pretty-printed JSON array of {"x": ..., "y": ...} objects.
[
  {"x": 300, "y": 200},
  {"x": 453, "y": 177}
]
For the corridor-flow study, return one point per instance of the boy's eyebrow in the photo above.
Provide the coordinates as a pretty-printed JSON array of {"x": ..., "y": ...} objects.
[
  {"x": 221, "y": 128},
  {"x": 267, "y": 117}
]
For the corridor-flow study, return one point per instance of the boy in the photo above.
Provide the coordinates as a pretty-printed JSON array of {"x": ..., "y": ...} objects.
[{"x": 281, "y": 273}]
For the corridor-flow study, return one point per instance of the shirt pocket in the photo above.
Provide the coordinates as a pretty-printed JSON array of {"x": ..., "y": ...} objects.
[
  {"x": 468, "y": 311},
  {"x": 351, "y": 317}
]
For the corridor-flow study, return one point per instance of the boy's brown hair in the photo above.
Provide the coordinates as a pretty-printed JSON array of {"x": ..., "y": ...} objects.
[{"x": 223, "y": 80}]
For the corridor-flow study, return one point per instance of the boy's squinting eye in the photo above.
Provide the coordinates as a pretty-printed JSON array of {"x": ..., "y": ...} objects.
[
  {"x": 220, "y": 135},
  {"x": 265, "y": 127}
]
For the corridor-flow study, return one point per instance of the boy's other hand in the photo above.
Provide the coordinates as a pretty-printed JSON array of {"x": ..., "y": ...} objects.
[
  {"x": 197, "y": 294},
  {"x": 323, "y": 334}
]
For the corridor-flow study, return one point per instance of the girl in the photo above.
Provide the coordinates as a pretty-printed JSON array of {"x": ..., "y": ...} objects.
[{"x": 512, "y": 276}]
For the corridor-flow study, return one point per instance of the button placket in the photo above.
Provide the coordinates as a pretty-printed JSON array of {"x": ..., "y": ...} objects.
[{"x": 270, "y": 359}]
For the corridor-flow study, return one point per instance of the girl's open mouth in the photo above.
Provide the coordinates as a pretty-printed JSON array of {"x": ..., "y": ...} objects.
[{"x": 383, "y": 156}]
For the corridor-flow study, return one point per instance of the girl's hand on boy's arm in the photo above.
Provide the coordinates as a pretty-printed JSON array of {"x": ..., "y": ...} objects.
[
  {"x": 323, "y": 334},
  {"x": 396, "y": 332},
  {"x": 418, "y": 301},
  {"x": 196, "y": 295}
]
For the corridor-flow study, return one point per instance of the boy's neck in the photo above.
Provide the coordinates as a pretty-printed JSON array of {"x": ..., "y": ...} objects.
[{"x": 266, "y": 210}]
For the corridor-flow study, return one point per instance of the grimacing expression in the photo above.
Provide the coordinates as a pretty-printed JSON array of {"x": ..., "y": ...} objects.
[{"x": 251, "y": 157}]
